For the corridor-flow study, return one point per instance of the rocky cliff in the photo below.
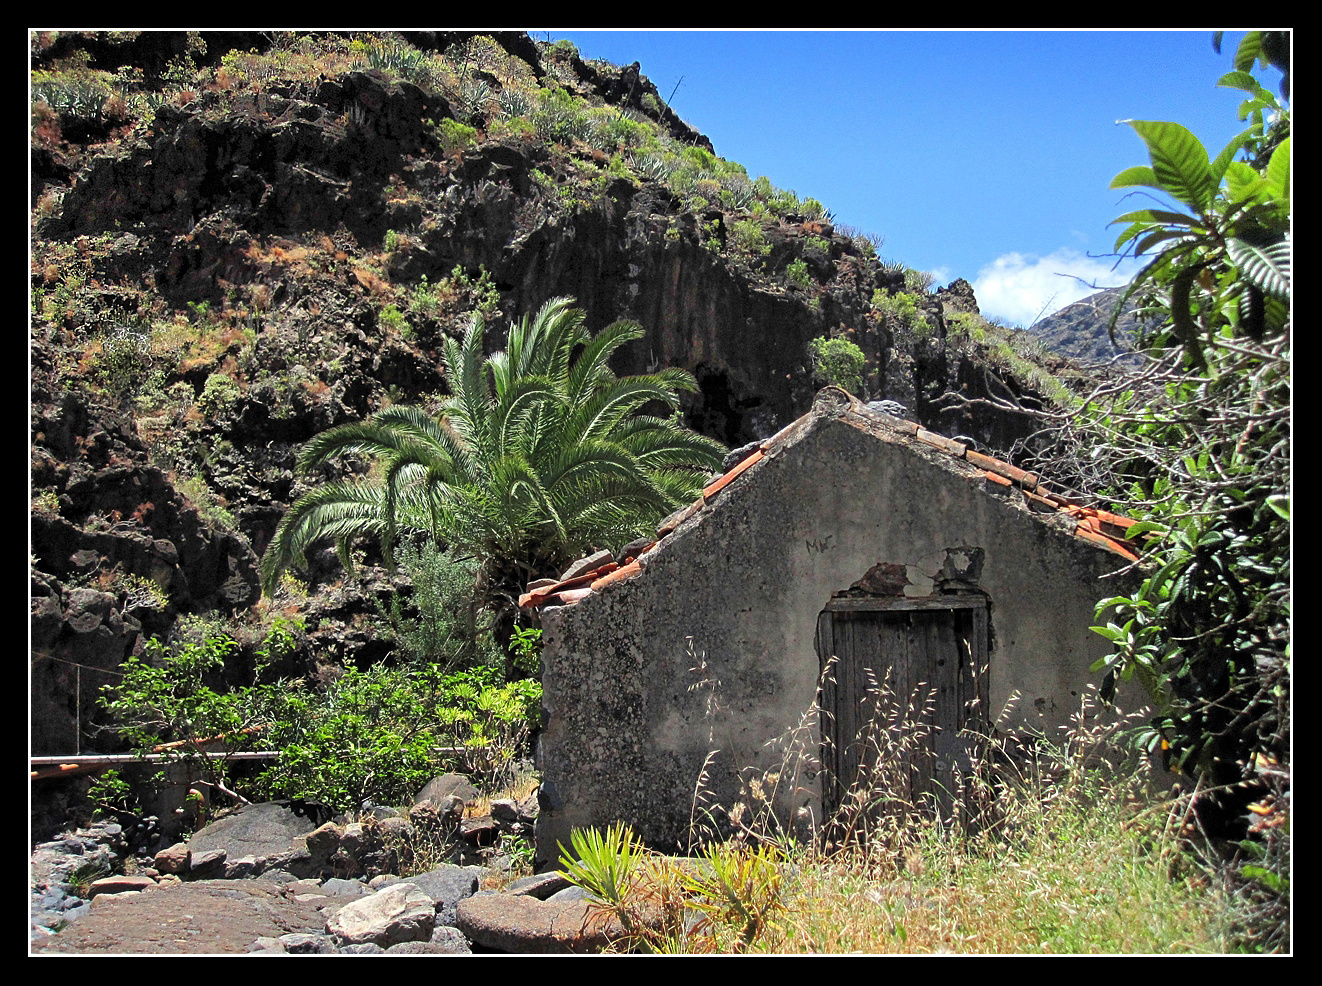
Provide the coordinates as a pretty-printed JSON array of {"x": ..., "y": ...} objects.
[{"x": 240, "y": 240}]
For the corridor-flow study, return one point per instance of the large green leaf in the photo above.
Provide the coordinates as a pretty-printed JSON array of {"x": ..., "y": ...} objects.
[
  {"x": 1179, "y": 162},
  {"x": 1278, "y": 173},
  {"x": 1266, "y": 265}
]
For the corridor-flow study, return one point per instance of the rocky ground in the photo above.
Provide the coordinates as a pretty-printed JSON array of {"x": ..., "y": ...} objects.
[{"x": 267, "y": 879}]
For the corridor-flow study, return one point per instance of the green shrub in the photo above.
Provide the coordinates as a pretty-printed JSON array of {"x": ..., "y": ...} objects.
[
  {"x": 219, "y": 395},
  {"x": 442, "y": 625},
  {"x": 455, "y": 136},
  {"x": 917, "y": 280},
  {"x": 124, "y": 362},
  {"x": 564, "y": 49},
  {"x": 209, "y": 506},
  {"x": 839, "y": 362},
  {"x": 901, "y": 309},
  {"x": 797, "y": 274},
  {"x": 392, "y": 319},
  {"x": 375, "y": 735},
  {"x": 750, "y": 238}
]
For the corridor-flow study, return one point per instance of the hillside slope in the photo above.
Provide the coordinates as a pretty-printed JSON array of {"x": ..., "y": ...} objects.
[
  {"x": 240, "y": 240},
  {"x": 1081, "y": 330}
]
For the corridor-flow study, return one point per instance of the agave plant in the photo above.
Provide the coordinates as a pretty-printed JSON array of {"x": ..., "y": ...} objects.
[{"x": 538, "y": 454}]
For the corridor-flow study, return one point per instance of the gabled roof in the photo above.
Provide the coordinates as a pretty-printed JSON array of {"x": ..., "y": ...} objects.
[{"x": 1099, "y": 527}]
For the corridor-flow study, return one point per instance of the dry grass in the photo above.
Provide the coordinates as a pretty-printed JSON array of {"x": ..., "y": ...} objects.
[
  {"x": 1056, "y": 851},
  {"x": 1055, "y": 847}
]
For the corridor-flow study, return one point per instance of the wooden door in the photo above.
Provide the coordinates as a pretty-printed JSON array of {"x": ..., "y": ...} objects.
[{"x": 902, "y": 679}]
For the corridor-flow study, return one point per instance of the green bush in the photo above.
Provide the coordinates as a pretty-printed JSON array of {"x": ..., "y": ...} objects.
[
  {"x": 796, "y": 272},
  {"x": 917, "y": 281},
  {"x": 839, "y": 362},
  {"x": 455, "y": 136},
  {"x": 901, "y": 309},
  {"x": 392, "y": 319},
  {"x": 442, "y": 625},
  {"x": 749, "y": 238},
  {"x": 219, "y": 395},
  {"x": 374, "y": 735}
]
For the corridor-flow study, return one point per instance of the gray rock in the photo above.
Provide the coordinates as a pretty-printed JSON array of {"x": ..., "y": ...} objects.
[
  {"x": 398, "y": 913},
  {"x": 208, "y": 864},
  {"x": 540, "y": 885},
  {"x": 238, "y": 869},
  {"x": 570, "y": 893},
  {"x": 588, "y": 564},
  {"x": 438, "y": 789},
  {"x": 459, "y": 947},
  {"x": 304, "y": 944},
  {"x": 322, "y": 842},
  {"x": 447, "y": 885},
  {"x": 736, "y": 456},
  {"x": 893, "y": 408},
  {"x": 343, "y": 888},
  {"x": 452, "y": 939},
  {"x": 269, "y": 829},
  {"x": 366, "y": 948}
]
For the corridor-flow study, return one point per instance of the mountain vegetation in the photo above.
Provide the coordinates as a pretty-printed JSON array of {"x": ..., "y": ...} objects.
[{"x": 338, "y": 339}]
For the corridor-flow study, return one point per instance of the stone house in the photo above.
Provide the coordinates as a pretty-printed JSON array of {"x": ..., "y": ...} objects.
[{"x": 854, "y": 553}]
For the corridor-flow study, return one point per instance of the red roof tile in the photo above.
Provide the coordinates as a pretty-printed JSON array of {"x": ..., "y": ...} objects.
[
  {"x": 1096, "y": 526},
  {"x": 729, "y": 477}
]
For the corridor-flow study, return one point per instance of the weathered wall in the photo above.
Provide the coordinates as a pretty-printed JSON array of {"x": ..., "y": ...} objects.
[{"x": 735, "y": 593}]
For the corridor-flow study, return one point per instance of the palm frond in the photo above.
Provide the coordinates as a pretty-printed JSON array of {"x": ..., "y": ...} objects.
[{"x": 538, "y": 453}]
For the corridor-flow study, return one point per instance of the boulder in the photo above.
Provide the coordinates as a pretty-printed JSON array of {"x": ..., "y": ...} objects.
[
  {"x": 120, "y": 885},
  {"x": 268, "y": 829},
  {"x": 175, "y": 859},
  {"x": 399, "y": 913},
  {"x": 447, "y": 885},
  {"x": 439, "y": 789},
  {"x": 528, "y": 925}
]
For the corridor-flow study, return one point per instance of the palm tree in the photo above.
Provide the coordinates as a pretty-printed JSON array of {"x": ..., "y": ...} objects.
[{"x": 538, "y": 454}]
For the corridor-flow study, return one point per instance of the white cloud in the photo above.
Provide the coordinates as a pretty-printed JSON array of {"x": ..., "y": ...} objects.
[{"x": 1021, "y": 288}]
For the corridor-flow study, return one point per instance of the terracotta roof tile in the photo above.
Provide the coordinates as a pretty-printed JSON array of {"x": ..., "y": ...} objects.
[
  {"x": 940, "y": 441},
  {"x": 1116, "y": 545},
  {"x": 633, "y": 568},
  {"x": 1096, "y": 526},
  {"x": 1023, "y": 479},
  {"x": 729, "y": 477}
]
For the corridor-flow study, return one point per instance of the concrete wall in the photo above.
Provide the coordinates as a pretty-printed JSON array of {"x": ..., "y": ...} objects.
[{"x": 690, "y": 670}]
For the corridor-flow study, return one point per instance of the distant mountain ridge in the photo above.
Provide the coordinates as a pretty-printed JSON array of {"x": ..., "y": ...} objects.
[{"x": 1080, "y": 331}]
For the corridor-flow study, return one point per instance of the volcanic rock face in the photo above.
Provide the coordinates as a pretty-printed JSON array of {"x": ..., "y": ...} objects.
[{"x": 250, "y": 264}]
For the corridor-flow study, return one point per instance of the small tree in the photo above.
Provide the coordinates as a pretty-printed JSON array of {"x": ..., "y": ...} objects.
[
  {"x": 538, "y": 454},
  {"x": 839, "y": 362}
]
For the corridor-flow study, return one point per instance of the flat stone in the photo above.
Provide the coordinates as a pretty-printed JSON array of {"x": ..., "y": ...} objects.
[
  {"x": 540, "y": 885},
  {"x": 208, "y": 864},
  {"x": 120, "y": 885},
  {"x": 438, "y": 789},
  {"x": 589, "y": 564},
  {"x": 267, "y": 829},
  {"x": 306, "y": 944},
  {"x": 447, "y": 885},
  {"x": 527, "y": 925},
  {"x": 174, "y": 859}
]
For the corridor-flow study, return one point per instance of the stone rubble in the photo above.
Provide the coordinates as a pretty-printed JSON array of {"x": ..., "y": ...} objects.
[{"x": 351, "y": 867}]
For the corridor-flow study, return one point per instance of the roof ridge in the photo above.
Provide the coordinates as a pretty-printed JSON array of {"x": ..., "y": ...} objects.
[{"x": 1097, "y": 526}]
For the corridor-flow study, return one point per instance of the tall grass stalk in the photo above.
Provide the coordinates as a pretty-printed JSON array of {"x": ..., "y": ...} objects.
[{"x": 1052, "y": 844}]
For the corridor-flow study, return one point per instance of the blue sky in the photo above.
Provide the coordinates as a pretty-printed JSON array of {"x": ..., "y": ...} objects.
[{"x": 977, "y": 154}]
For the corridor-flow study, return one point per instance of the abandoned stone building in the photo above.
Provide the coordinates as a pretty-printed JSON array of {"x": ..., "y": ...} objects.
[{"x": 737, "y": 657}]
